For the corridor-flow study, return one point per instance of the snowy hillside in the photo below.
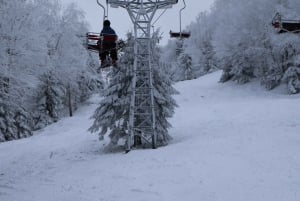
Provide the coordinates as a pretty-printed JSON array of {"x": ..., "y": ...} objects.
[{"x": 231, "y": 143}]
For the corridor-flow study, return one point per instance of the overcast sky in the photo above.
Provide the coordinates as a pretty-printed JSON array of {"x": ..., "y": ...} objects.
[{"x": 121, "y": 22}]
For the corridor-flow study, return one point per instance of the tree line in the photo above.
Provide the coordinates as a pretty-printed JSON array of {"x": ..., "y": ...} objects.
[
  {"x": 45, "y": 70},
  {"x": 237, "y": 37}
]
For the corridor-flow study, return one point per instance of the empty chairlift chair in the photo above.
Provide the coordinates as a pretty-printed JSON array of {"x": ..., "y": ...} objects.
[
  {"x": 92, "y": 40},
  {"x": 285, "y": 25},
  {"x": 180, "y": 34}
]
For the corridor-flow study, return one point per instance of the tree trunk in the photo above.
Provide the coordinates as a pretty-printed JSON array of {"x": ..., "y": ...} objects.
[{"x": 70, "y": 100}]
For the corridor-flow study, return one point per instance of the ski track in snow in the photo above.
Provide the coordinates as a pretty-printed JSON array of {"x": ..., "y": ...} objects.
[{"x": 231, "y": 143}]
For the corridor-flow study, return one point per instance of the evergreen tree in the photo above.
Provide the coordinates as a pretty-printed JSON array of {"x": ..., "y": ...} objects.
[
  {"x": 23, "y": 123},
  {"x": 292, "y": 77},
  {"x": 185, "y": 68},
  {"x": 239, "y": 68},
  {"x": 37, "y": 37},
  {"x": 112, "y": 115},
  {"x": 87, "y": 85},
  {"x": 50, "y": 100},
  {"x": 200, "y": 45},
  {"x": 291, "y": 66},
  {"x": 208, "y": 61},
  {"x": 6, "y": 117},
  {"x": 7, "y": 124},
  {"x": 15, "y": 121},
  {"x": 164, "y": 103},
  {"x": 236, "y": 36}
]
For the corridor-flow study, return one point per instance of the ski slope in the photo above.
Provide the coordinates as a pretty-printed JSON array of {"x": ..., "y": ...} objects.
[{"x": 231, "y": 143}]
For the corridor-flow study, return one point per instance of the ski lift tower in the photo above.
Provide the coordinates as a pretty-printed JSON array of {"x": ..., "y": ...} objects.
[{"x": 142, "y": 124}]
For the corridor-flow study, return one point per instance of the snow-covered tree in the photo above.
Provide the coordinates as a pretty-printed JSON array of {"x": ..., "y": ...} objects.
[
  {"x": 237, "y": 37},
  {"x": 184, "y": 69},
  {"x": 199, "y": 46},
  {"x": 180, "y": 62},
  {"x": 207, "y": 60},
  {"x": 255, "y": 50},
  {"x": 291, "y": 66},
  {"x": 163, "y": 92},
  {"x": 38, "y": 37},
  {"x": 23, "y": 123},
  {"x": 7, "y": 124},
  {"x": 112, "y": 115},
  {"x": 88, "y": 85},
  {"x": 292, "y": 77},
  {"x": 15, "y": 121},
  {"x": 50, "y": 99},
  {"x": 6, "y": 117}
]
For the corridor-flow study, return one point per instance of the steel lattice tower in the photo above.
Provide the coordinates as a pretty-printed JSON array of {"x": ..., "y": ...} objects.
[{"x": 142, "y": 111}]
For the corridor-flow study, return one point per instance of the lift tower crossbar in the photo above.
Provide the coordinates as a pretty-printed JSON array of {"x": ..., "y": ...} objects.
[{"x": 142, "y": 122}]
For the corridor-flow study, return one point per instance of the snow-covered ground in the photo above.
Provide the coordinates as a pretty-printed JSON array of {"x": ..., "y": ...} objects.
[{"x": 231, "y": 143}]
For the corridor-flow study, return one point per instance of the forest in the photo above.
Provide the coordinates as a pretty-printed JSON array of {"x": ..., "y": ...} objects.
[
  {"x": 46, "y": 71},
  {"x": 237, "y": 37}
]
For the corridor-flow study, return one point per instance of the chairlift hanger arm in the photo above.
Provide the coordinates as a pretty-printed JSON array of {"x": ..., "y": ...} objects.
[
  {"x": 180, "y": 12},
  {"x": 180, "y": 34},
  {"x": 105, "y": 10}
]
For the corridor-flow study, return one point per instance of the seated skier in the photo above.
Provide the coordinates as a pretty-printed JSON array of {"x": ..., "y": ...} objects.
[{"x": 107, "y": 45}]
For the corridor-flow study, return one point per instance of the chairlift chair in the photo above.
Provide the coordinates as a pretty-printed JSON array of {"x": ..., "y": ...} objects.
[
  {"x": 181, "y": 34},
  {"x": 285, "y": 25},
  {"x": 92, "y": 39}
]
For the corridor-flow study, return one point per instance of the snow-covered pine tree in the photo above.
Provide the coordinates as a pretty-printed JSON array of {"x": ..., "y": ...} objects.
[
  {"x": 112, "y": 115},
  {"x": 208, "y": 62},
  {"x": 292, "y": 77},
  {"x": 7, "y": 128},
  {"x": 170, "y": 55},
  {"x": 242, "y": 69},
  {"x": 284, "y": 55},
  {"x": 181, "y": 67},
  {"x": 163, "y": 91},
  {"x": 69, "y": 57},
  {"x": 7, "y": 124},
  {"x": 15, "y": 121},
  {"x": 291, "y": 62},
  {"x": 12, "y": 90},
  {"x": 2, "y": 123},
  {"x": 199, "y": 46},
  {"x": 184, "y": 69},
  {"x": 84, "y": 87},
  {"x": 36, "y": 37},
  {"x": 171, "y": 52},
  {"x": 23, "y": 123},
  {"x": 50, "y": 100},
  {"x": 236, "y": 42}
]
